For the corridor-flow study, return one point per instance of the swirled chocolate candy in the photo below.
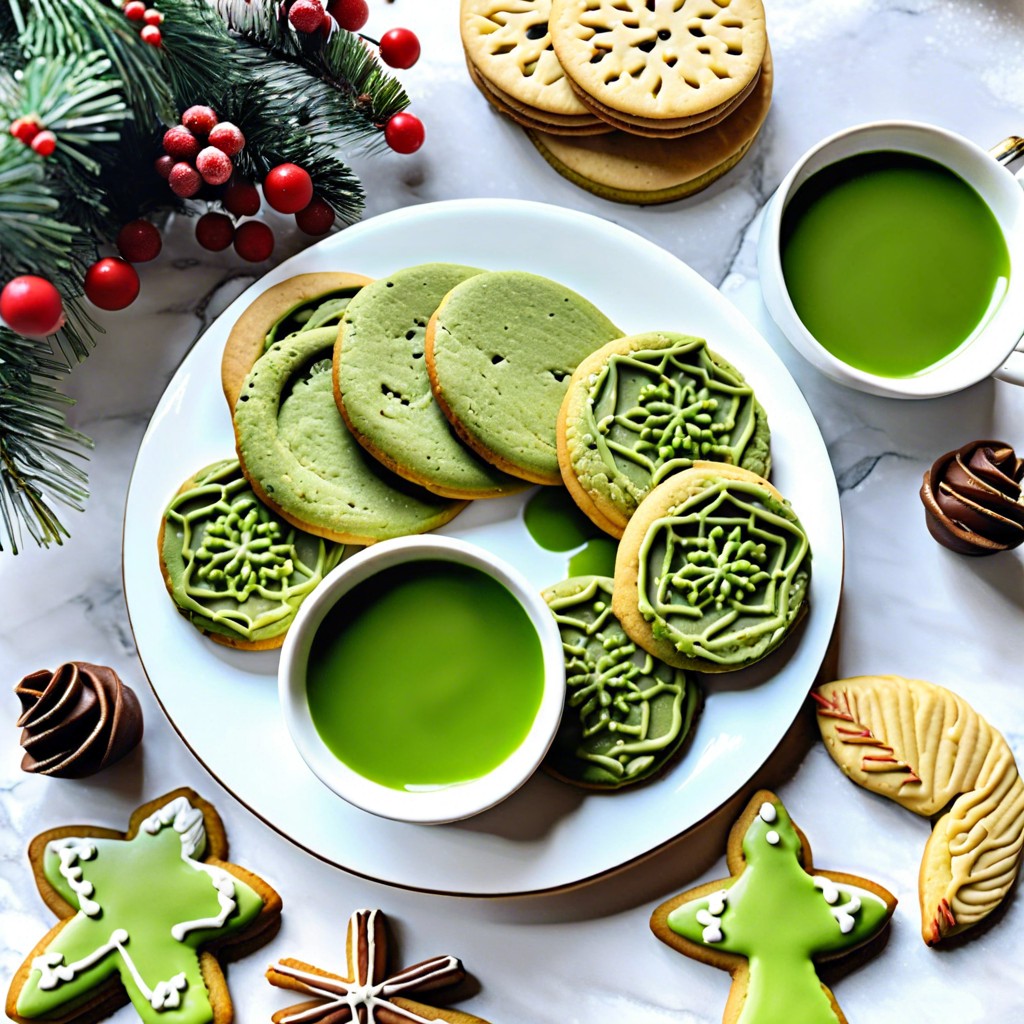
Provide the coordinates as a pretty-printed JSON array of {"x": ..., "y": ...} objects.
[
  {"x": 236, "y": 570},
  {"x": 644, "y": 407},
  {"x": 626, "y": 712},
  {"x": 76, "y": 720},
  {"x": 972, "y": 498},
  {"x": 713, "y": 569}
]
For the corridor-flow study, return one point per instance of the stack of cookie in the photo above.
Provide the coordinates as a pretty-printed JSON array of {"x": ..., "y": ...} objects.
[{"x": 640, "y": 101}]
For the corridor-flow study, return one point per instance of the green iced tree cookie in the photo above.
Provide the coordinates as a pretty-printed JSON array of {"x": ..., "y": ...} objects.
[{"x": 773, "y": 919}]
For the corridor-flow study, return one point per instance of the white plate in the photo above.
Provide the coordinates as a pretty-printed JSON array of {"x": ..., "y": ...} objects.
[{"x": 549, "y": 835}]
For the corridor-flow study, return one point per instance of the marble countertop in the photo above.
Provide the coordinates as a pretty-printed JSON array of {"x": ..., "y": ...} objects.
[{"x": 910, "y": 607}]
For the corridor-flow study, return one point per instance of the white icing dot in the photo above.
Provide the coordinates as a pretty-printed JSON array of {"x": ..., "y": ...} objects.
[
  {"x": 767, "y": 812},
  {"x": 772, "y": 837}
]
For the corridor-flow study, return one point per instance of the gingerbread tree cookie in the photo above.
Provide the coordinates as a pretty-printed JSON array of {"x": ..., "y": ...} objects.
[
  {"x": 145, "y": 915},
  {"x": 773, "y": 919},
  {"x": 367, "y": 993}
]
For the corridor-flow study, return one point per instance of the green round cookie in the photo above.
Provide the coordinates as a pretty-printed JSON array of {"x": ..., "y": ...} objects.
[
  {"x": 302, "y": 461},
  {"x": 237, "y": 571},
  {"x": 712, "y": 571},
  {"x": 646, "y": 406},
  {"x": 626, "y": 712},
  {"x": 383, "y": 389},
  {"x": 500, "y": 351}
]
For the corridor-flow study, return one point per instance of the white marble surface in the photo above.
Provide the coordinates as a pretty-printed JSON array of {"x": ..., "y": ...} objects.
[{"x": 910, "y": 606}]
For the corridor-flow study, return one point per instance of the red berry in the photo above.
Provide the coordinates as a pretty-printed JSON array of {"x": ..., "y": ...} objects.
[
  {"x": 254, "y": 241},
  {"x": 184, "y": 180},
  {"x": 31, "y": 306},
  {"x": 214, "y": 165},
  {"x": 44, "y": 143},
  {"x": 404, "y": 133},
  {"x": 349, "y": 14},
  {"x": 214, "y": 231},
  {"x": 315, "y": 219},
  {"x": 153, "y": 16},
  {"x": 288, "y": 188},
  {"x": 152, "y": 35},
  {"x": 199, "y": 119},
  {"x": 139, "y": 241},
  {"x": 111, "y": 283},
  {"x": 306, "y": 15},
  {"x": 163, "y": 165},
  {"x": 135, "y": 10},
  {"x": 241, "y": 198},
  {"x": 227, "y": 137},
  {"x": 180, "y": 143},
  {"x": 399, "y": 48},
  {"x": 25, "y": 129}
]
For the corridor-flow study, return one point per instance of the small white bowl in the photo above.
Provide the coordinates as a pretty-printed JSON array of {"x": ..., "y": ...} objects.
[{"x": 432, "y": 806}]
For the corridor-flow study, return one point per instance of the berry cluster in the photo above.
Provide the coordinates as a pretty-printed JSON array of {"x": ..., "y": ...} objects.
[
  {"x": 32, "y": 132},
  {"x": 187, "y": 163},
  {"x": 152, "y": 19}
]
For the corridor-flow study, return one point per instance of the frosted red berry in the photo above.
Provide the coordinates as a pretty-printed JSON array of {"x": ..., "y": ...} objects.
[
  {"x": 44, "y": 143},
  {"x": 227, "y": 137},
  {"x": 184, "y": 180},
  {"x": 214, "y": 231},
  {"x": 254, "y": 241},
  {"x": 111, "y": 283},
  {"x": 306, "y": 15},
  {"x": 152, "y": 35},
  {"x": 404, "y": 133},
  {"x": 139, "y": 241},
  {"x": 25, "y": 129},
  {"x": 180, "y": 143},
  {"x": 399, "y": 48},
  {"x": 163, "y": 164},
  {"x": 288, "y": 188},
  {"x": 241, "y": 198},
  {"x": 31, "y": 306},
  {"x": 315, "y": 219},
  {"x": 214, "y": 165},
  {"x": 135, "y": 10},
  {"x": 199, "y": 119},
  {"x": 153, "y": 16},
  {"x": 349, "y": 14}
]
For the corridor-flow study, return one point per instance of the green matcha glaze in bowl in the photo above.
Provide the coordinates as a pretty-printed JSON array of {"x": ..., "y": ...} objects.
[{"x": 423, "y": 681}]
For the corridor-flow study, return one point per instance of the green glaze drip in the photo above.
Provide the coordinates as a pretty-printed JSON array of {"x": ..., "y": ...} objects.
[
  {"x": 656, "y": 409},
  {"x": 425, "y": 675},
  {"x": 779, "y": 917},
  {"x": 626, "y": 713},
  {"x": 555, "y": 523},
  {"x": 136, "y": 891},
  {"x": 724, "y": 575},
  {"x": 892, "y": 261},
  {"x": 235, "y": 567},
  {"x": 323, "y": 311}
]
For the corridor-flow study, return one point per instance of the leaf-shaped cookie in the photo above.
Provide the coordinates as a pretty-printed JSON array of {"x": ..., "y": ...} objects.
[{"x": 929, "y": 750}]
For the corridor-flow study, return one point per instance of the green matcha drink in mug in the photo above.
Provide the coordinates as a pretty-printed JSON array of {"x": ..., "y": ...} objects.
[{"x": 892, "y": 258}]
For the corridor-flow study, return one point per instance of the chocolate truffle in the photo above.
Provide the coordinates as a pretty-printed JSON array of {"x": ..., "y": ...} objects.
[
  {"x": 76, "y": 720},
  {"x": 972, "y": 498}
]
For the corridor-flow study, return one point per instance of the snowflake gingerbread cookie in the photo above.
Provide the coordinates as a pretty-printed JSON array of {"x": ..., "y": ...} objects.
[
  {"x": 773, "y": 920},
  {"x": 146, "y": 916}
]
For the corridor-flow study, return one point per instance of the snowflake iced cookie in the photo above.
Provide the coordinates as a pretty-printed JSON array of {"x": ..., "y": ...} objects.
[
  {"x": 368, "y": 993},
  {"x": 926, "y": 748},
  {"x": 644, "y": 407},
  {"x": 773, "y": 919},
  {"x": 146, "y": 917},
  {"x": 234, "y": 568},
  {"x": 713, "y": 569}
]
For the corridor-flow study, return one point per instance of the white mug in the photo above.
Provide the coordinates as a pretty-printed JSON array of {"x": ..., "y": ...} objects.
[{"x": 996, "y": 347}]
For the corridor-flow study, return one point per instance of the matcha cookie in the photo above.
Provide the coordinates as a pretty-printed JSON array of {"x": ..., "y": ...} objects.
[
  {"x": 713, "y": 569},
  {"x": 626, "y": 713},
  {"x": 500, "y": 351},
  {"x": 304, "y": 302},
  {"x": 644, "y": 407},
  {"x": 383, "y": 389},
  {"x": 301, "y": 460}
]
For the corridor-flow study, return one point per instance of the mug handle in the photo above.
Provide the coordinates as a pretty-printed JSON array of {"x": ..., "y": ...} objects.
[{"x": 1005, "y": 153}]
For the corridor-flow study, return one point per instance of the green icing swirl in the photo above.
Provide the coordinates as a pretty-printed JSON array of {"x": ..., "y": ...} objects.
[
  {"x": 724, "y": 575},
  {"x": 323, "y": 311},
  {"x": 235, "y": 567},
  {"x": 626, "y": 712},
  {"x": 656, "y": 408}
]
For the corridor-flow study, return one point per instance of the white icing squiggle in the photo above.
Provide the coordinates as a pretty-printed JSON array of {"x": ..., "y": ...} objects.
[
  {"x": 845, "y": 911},
  {"x": 185, "y": 819},
  {"x": 71, "y": 851},
  {"x": 711, "y": 917}
]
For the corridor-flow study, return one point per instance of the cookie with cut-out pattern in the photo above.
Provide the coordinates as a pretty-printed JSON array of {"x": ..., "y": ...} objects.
[{"x": 666, "y": 60}]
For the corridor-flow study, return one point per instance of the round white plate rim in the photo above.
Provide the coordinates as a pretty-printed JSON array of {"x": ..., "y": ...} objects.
[{"x": 487, "y": 864}]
